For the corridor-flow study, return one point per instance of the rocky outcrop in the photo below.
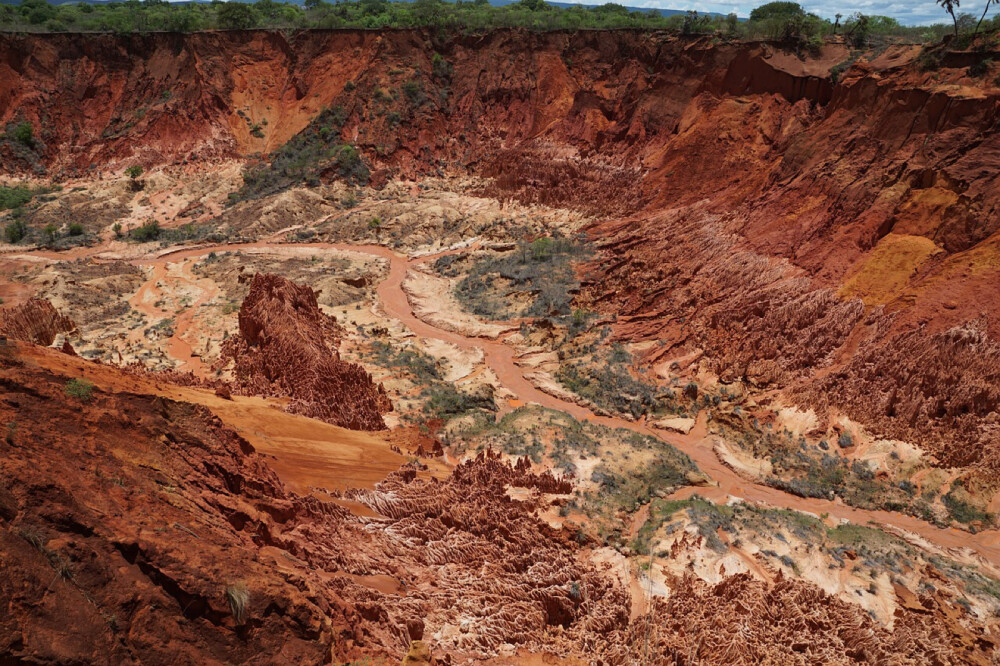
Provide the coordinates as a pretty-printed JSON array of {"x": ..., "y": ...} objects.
[
  {"x": 36, "y": 321},
  {"x": 746, "y": 620},
  {"x": 935, "y": 390},
  {"x": 287, "y": 347}
]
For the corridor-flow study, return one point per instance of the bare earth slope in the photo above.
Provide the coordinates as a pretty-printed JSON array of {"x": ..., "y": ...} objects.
[{"x": 167, "y": 539}]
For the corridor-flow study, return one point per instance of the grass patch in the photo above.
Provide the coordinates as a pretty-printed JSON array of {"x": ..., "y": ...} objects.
[{"x": 238, "y": 596}]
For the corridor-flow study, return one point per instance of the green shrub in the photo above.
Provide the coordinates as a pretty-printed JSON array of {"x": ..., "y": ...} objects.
[
  {"x": 414, "y": 92},
  {"x": 75, "y": 229},
  {"x": 149, "y": 231},
  {"x": 980, "y": 68},
  {"x": 24, "y": 134},
  {"x": 79, "y": 388},
  {"x": 15, "y": 231},
  {"x": 237, "y": 16},
  {"x": 14, "y": 197},
  {"x": 446, "y": 401},
  {"x": 441, "y": 68},
  {"x": 963, "y": 512},
  {"x": 417, "y": 364}
]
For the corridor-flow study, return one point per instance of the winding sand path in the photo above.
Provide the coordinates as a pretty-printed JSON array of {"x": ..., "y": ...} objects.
[{"x": 500, "y": 357}]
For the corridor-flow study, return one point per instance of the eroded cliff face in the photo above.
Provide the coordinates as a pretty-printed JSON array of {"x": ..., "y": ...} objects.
[
  {"x": 288, "y": 347},
  {"x": 159, "y": 535},
  {"x": 36, "y": 321},
  {"x": 836, "y": 240}
]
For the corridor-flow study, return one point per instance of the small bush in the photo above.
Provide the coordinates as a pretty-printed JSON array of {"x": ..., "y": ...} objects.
[
  {"x": 963, "y": 512},
  {"x": 14, "y": 197},
  {"x": 80, "y": 388},
  {"x": 24, "y": 134},
  {"x": 930, "y": 59},
  {"x": 15, "y": 231},
  {"x": 75, "y": 229},
  {"x": 440, "y": 67},
  {"x": 414, "y": 92},
  {"x": 447, "y": 401},
  {"x": 980, "y": 69},
  {"x": 150, "y": 231}
]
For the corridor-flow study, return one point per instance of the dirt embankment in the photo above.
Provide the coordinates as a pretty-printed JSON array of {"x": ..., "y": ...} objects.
[{"x": 837, "y": 240}]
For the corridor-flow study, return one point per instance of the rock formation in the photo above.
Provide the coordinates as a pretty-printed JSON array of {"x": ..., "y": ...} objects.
[
  {"x": 288, "y": 347},
  {"x": 746, "y": 620},
  {"x": 35, "y": 320}
]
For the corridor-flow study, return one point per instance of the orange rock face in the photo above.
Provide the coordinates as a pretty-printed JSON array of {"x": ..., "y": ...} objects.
[
  {"x": 35, "y": 321},
  {"x": 287, "y": 347}
]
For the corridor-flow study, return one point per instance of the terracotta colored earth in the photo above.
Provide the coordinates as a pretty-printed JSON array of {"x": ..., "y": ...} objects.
[
  {"x": 501, "y": 358},
  {"x": 832, "y": 241}
]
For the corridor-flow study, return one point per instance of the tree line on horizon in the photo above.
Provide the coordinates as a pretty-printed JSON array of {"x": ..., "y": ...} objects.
[{"x": 780, "y": 21}]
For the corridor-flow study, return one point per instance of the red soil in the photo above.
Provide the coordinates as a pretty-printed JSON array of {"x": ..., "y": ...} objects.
[{"x": 127, "y": 545}]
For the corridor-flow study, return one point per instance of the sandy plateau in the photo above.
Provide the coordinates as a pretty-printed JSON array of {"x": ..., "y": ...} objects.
[{"x": 553, "y": 396}]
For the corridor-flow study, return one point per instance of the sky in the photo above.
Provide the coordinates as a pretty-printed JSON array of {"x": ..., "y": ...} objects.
[{"x": 919, "y": 12}]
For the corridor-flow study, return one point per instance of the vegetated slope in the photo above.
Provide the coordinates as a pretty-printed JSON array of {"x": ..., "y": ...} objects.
[
  {"x": 837, "y": 239},
  {"x": 138, "y": 529},
  {"x": 287, "y": 347}
]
